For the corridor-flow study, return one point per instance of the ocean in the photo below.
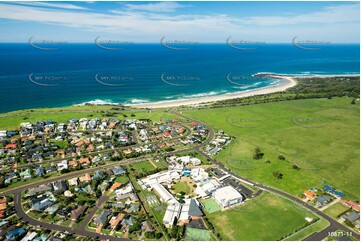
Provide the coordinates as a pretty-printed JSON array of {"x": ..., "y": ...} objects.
[{"x": 75, "y": 74}]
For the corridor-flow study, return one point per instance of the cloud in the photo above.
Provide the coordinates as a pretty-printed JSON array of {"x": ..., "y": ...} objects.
[
  {"x": 52, "y": 5},
  {"x": 155, "y": 7},
  {"x": 150, "y": 25},
  {"x": 329, "y": 15}
]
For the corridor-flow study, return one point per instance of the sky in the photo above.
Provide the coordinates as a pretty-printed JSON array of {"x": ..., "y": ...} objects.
[{"x": 204, "y": 22}]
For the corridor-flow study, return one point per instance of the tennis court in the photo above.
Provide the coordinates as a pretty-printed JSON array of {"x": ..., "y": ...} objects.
[
  {"x": 198, "y": 234},
  {"x": 211, "y": 206}
]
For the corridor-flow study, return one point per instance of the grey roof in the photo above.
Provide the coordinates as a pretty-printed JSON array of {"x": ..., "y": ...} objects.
[
  {"x": 59, "y": 186},
  {"x": 42, "y": 205},
  {"x": 128, "y": 221},
  {"x": 352, "y": 217},
  {"x": 194, "y": 209},
  {"x": 134, "y": 208},
  {"x": 323, "y": 199},
  {"x": 103, "y": 217},
  {"x": 118, "y": 171},
  {"x": 41, "y": 188}
]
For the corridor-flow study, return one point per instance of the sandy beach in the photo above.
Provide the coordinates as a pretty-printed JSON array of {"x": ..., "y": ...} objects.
[{"x": 290, "y": 82}]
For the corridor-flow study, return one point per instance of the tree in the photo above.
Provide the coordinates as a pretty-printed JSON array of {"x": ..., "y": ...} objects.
[
  {"x": 278, "y": 174},
  {"x": 257, "y": 154},
  {"x": 281, "y": 157},
  {"x": 296, "y": 167}
]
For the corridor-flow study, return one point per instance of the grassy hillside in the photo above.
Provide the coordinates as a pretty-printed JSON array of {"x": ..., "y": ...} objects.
[{"x": 321, "y": 136}]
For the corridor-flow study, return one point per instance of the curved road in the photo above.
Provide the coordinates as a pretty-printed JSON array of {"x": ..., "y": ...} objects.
[{"x": 77, "y": 230}]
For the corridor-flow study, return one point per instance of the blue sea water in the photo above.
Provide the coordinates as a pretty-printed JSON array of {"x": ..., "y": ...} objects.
[{"x": 79, "y": 73}]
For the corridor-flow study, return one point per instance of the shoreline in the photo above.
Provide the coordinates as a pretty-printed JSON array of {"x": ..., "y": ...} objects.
[{"x": 290, "y": 82}]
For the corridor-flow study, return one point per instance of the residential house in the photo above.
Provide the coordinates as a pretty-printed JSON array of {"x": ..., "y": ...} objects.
[
  {"x": 64, "y": 212},
  {"x": 118, "y": 171},
  {"x": 85, "y": 178},
  {"x": 114, "y": 221},
  {"x": 26, "y": 174},
  {"x": 59, "y": 186},
  {"x": 40, "y": 189},
  {"x": 63, "y": 165},
  {"x": 15, "y": 234},
  {"x": 323, "y": 200},
  {"x": 127, "y": 222},
  {"x": 134, "y": 208},
  {"x": 73, "y": 181},
  {"x": 102, "y": 218},
  {"x": 310, "y": 194},
  {"x": 147, "y": 226},
  {"x": 351, "y": 217},
  {"x": 40, "y": 171},
  {"x": 331, "y": 190},
  {"x": 84, "y": 161},
  {"x": 351, "y": 204},
  {"x": 76, "y": 213}
]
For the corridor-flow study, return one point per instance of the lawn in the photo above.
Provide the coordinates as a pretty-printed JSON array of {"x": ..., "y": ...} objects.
[
  {"x": 335, "y": 210},
  {"x": 193, "y": 234},
  {"x": 272, "y": 218},
  {"x": 321, "y": 136},
  {"x": 143, "y": 166},
  {"x": 211, "y": 206},
  {"x": 122, "y": 179},
  {"x": 182, "y": 186}
]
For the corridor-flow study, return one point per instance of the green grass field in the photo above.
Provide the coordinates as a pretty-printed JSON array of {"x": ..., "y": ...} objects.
[
  {"x": 182, "y": 186},
  {"x": 319, "y": 135},
  {"x": 271, "y": 218},
  {"x": 193, "y": 234},
  {"x": 122, "y": 179},
  {"x": 335, "y": 210},
  {"x": 211, "y": 206},
  {"x": 143, "y": 165}
]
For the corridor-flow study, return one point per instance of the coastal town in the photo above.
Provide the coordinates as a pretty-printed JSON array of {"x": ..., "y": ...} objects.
[{"x": 139, "y": 179}]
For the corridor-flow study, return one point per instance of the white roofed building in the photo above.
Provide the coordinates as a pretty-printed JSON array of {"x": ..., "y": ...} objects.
[
  {"x": 165, "y": 195},
  {"x": 172, "y": 214},
  {"x": 206, "y": 188},
  {"x": 227, "y": 196}
]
